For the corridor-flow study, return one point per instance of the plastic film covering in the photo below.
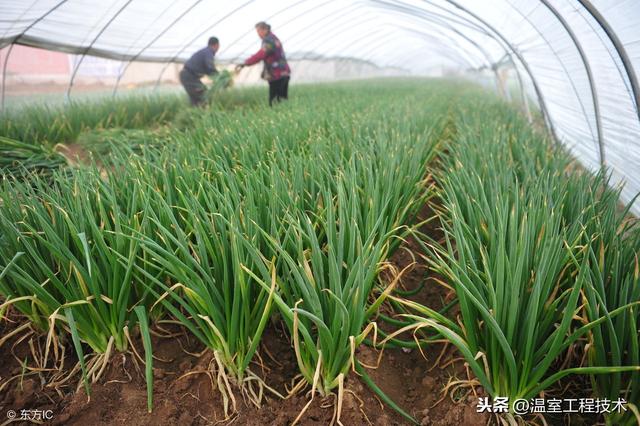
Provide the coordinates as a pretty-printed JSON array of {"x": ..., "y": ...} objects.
[{"x": 577, "y": 59}]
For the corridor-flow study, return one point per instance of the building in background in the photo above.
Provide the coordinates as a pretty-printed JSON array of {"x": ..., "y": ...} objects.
[{"x": 32, "y": 70}]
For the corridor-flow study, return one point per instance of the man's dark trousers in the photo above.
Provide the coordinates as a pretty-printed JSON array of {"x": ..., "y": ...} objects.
[{"x": 194, "y": 87}]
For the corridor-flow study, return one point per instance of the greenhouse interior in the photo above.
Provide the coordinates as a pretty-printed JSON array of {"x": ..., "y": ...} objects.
[{"x": 320, "y": 212}]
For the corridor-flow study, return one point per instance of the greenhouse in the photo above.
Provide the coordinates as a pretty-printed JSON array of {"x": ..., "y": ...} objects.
[{"x": 310, "y": 212}]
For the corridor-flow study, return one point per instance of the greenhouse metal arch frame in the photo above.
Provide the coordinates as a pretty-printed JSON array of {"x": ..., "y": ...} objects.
[{"x": 591, "y": 43}]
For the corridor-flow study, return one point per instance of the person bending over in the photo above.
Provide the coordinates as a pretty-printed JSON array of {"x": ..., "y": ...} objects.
[{"x": 199, "y": 65}]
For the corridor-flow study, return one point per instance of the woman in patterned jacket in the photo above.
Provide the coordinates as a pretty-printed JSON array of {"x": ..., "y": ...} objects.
[{"x": 276, "y": 70}]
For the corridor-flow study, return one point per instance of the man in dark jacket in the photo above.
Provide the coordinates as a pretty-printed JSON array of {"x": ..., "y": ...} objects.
[
  {"x": 200, "y": 64},
  {"x": 276, "y": 70}
]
